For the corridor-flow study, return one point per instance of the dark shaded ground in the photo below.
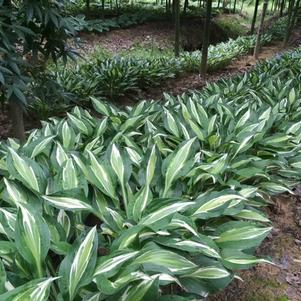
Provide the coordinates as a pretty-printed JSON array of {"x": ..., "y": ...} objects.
[
  {"x": 193, "y": 81},
  {"x": 282, "y": 281},
  {"x": 160, "y": 33}
]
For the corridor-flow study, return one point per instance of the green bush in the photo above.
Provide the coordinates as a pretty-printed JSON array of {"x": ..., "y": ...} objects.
[{"x": 155, "y": 198}]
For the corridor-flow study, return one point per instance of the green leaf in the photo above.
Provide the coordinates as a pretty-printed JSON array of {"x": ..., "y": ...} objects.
[
  {"x": 84, "y": 254},
  {"x": 176, "y": 164},
  {"x": 67, "y": 203},
  {"x": 32, "y": 239},
  {"x": 36, "y": 290}
]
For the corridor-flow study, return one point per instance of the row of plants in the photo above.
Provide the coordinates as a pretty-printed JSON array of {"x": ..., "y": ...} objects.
[
  {"x": 108, "y": 19},
  {"x": 80, "y": 23},
  {"x": 117, "y": 76},
  {"x": 146, "y": 202},
  {"x": 128, "y": 73}
]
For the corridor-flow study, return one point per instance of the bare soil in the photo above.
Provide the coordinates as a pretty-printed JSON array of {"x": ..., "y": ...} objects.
[
  {"x": 158, "y": 34},
  {"x": 194, "y": 81},
  {"x": 282, "y": 281}
]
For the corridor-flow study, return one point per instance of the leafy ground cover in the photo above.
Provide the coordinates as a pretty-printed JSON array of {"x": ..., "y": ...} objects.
[
  {"x": 115, "y": 77},
  {"x": 159, "y": 196}
]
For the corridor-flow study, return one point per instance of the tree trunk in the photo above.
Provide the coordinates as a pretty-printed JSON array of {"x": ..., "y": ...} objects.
[
  {"x": 16, "y": 116},
  {"x": 177, "y": 27},
  {"x": 173, "y": 10},
  {"x": 295, "y": 15},
  {"x": 260, "y": 28},
  {"x": 218, "y": 3},
  {"x": 289, "y": 26},
  {"x": 234, "y": 7},
  {"x": 103, "y": 8},
  {"x": 254, "y": 16},
  {"x": 88, "y": 5},
  {"x": 206, "y": 38},
  {"x": 282, "y": 7},
  {"x": 242, "y": 6},
  {"x": 185, "y": 6}
]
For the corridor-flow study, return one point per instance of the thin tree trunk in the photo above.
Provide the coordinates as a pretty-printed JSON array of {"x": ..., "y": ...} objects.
[
  {"x": 289, "y": 26},
  {"x": 177, "y": 27},
  {"x": 185, "y": 6},
  {"x": 88, "y": 5},
  {"x": 254, "y": 16},
  {"x": 260, "y": 28},
  {"x": 218, "y": 3},
  {"x": 206, "y": 38},
  {"x": 295, "y": 15},
  {"x": 234, "y": 7},
  {"x": 173, "y": 10},
  {"x": 242, "y": 5},
  {"x": 16, "y": 116},
  {"x": 282, "y": 8},
  {"x": 103, "y": 8}
]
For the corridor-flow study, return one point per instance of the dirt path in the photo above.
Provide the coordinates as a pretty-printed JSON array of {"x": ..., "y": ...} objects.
[
  {"x": 282, "y": 281},
  {"x": 193, "y": 81},
  {"x": 157, "y": 33}
]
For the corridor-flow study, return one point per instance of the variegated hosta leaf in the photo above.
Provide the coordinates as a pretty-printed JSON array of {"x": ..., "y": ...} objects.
[
  {"x": 118, "y": 166},
  {"x": 176, "y": 164},
  {"x": 240, "y": 235},
  {"x": 209, "y": 273},
  {"x": 67, "y": 203},
  {"x": 200, "y": 244},
  {"x": 145, "y": 290},
  {"x": 151, "y": 165},
  {"x": 238, "y": 260},
  {"x": 15, "y": 192},
  {"x": 32, "y": 239},
  {"x": 143, "y": 197},
  {"x": 213, "y": 204},
  {"x": 103, "y": 176},
  {"x": 77, "y": 268},
  {"x": 28, "y": 171},
  {"x": 41, "y": 146},
  {"x": 36, "y": 290},
  {"x": 68, "y": 135},
  {"x": 164, "y": 212},
  {"x": 70, "y": 177},
  {"x": 109, "y": 265},
  {"x": 171, "y": 261}
]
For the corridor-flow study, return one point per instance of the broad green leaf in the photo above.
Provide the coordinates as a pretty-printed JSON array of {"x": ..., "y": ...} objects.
[
  {"x": 67, "y": 203},
  {"x": 80, "y": 262},
  {"x": 32, "y": 239},
  {"x": 176, "y": 164}
]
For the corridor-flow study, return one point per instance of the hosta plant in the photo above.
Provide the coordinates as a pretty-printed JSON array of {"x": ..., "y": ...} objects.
[{"x": 151, "y": 200}]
